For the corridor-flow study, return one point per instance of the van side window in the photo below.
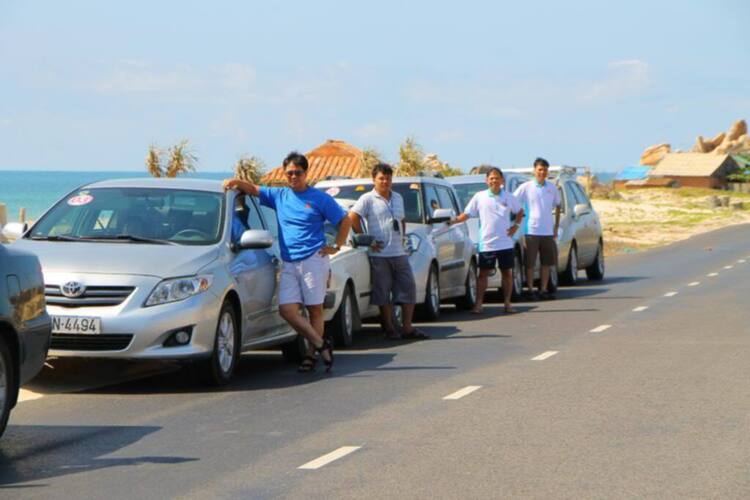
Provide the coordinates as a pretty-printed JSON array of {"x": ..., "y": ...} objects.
[
  {"x": 432, "y": 201},
  {"x": 580, "y": 194},
  {"x": 445, "y": 199}
]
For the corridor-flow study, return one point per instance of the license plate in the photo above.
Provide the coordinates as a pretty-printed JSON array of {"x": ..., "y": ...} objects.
[{"x": 76, "y": 324}]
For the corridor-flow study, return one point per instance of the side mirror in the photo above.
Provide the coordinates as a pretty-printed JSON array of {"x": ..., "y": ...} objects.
[
  {"x": 363, "y": 240},
  {"x": 14, "y": 230},
  {"x": 255, "y": 239},
  {"x": 581, "y": 209},
  {"x": 441, "y": 215}
]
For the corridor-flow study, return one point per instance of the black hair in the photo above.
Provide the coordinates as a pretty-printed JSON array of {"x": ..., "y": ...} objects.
[
  {"x": 542, "y": 162},
  {"x": 382, "y": 168},
  {"x": 296, "y": 159},
  {"x": 493, "y": 170}
]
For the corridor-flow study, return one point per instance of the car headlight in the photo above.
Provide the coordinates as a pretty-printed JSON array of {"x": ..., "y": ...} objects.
[
  {"x": 412, "y": 243},
  {"x": 173, "y": 290}
]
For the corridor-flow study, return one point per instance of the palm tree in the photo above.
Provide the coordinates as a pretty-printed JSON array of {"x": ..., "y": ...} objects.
[
  {"x": 181, "y": 160},
  {"x": 249, "y": 169},
  {"x": 153, "y": 161}
]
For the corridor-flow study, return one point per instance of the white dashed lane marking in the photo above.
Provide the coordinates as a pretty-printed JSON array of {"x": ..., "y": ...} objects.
[
  {"x": 640, "y": 308},
  {"x": 711, "y": 275},
  {"x": 462, "y": 392},
  {"x": 329, "y": 457},
  {"x": 27, "y": 395},
  {"x": 600, "y": 328},
  {"x": 670, "y": 294},
  {"x": 728, "y": 267},
  {"x": 544, "y": 355},
  {"x": 694, "y": 283},
  {"x": 741, "y": 261}
]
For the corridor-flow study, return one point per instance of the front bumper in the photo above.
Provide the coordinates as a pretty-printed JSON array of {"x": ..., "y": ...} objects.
[{"x": 148, "y": 327}]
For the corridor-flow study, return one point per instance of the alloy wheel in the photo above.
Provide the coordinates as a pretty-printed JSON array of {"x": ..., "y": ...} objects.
[
  {"x": 434, "y": 290},
  {"x": 225, "y": 342}
]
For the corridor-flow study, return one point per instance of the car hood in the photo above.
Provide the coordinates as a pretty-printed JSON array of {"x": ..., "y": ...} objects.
[{"x": 163, "y": 261}]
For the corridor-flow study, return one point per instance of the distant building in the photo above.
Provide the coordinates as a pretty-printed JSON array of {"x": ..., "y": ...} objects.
[
  {"x": 627, "y": 174},
  {"x": 332, "y": 158},
  {"x": 706, "y": 170}
]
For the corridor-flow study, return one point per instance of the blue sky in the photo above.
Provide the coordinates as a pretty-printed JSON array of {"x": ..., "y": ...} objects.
[{"x": 89, "y": 85}]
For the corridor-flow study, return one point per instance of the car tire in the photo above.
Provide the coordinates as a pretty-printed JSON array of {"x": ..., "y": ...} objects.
[
  {"x": 342, "y": 323},
  {"x": 7, "y": 384},
  {"x": 595, "y": 271},
  {"x": 469, "y": 300},
  {"x": 219, "y": 368},
  {"x": 430, "y": 310},
  {"x": 570, "y": 275}
]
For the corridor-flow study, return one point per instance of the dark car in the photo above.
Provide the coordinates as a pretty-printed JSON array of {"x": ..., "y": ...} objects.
[{"x": 25, "y": 325}]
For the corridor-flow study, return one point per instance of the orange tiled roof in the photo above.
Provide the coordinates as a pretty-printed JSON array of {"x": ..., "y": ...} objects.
[{"x": 330, "y": 158}]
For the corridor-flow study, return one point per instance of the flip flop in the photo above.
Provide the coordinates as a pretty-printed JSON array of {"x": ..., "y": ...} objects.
[
  {"x": 510, "y": 310},
  {"x": 477, "y": 311},
  {"x": 415, "y": 334},
  {"x": 393, "y": 335}
]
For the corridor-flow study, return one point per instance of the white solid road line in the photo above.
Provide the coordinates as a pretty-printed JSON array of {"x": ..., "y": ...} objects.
[
  {"x": 27, "y": 395},
  {"x": 463, "y": 392},
  {"x": 694, "y": 283},
  {"x": 728, "y": 267},
  {"x": 544, "y": 356},
  {"x": 670, "y": 294},
  {"x": 330, "y": 457},
  {"x": 640, "y": 308},
  {"x": 711, "y": 275},
  {"x": 600, "y": 328}
]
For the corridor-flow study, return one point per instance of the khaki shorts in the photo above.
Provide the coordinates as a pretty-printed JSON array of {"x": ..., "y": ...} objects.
[
  {"x": 544, "y": 246},
  {"x": 392, "y": 281}
]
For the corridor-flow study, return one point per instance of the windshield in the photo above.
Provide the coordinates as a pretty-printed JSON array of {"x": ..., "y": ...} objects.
[
  {"x": 466, "y": 191},
  {"x": 131, "y": 214},
  {"x": 411, "y": 193}
]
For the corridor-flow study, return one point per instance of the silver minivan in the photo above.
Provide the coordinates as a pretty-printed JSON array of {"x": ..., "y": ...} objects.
[
  {"x": 442, "y": 256},
  {"x": 160, "y": 269}
]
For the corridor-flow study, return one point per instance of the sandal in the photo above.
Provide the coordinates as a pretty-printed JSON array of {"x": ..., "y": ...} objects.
[
  {"x": 327, "y": 346},
  {"x": 510, "y": 310},
  {"x": 392, "y": 335},
  {"x": 415, "y": 333},
  {"x": 477, "y": 310},
  {"x": 308, "y": 364}
]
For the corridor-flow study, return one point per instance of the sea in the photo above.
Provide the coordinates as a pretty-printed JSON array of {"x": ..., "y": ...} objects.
[{"x": 38, "y": 190}]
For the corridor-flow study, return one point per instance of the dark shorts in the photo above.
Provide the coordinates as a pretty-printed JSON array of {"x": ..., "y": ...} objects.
[
  {"x": 392, "y": 281},
  {"x": 498, "y": 258},
  {"x": 544, "y": 246}
]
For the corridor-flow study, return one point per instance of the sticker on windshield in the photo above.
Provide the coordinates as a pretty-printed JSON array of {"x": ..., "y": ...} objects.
[
  {"x": 81, "y": 199},
  {"x": 359, "y": 188},
  {"x": 413, "y": 186},
  {"x": 333, "y": 191}
]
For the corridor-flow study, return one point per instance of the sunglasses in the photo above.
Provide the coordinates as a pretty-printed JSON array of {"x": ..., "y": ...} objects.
[{"x": 295, "y": 173}]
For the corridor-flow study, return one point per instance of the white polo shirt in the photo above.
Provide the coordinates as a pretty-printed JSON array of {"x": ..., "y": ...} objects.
[
  {"x": 494, "y": 212},
  {"x": 540, "y": 200}
]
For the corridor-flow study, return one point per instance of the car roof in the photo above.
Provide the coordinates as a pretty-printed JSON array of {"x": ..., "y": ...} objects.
[
  {"x": 396, "y": 180},
  {"x": 471, "y": 179},
  {"x": 211, "y": 185}
]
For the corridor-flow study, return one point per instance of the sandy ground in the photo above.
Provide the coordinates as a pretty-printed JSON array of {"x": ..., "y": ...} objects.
[{"x": 647, "y": 218}]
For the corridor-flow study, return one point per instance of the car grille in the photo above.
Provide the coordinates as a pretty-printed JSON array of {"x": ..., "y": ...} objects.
[
  {"x": 93, "y": 296},
  {"x": 99, "y": 342}
]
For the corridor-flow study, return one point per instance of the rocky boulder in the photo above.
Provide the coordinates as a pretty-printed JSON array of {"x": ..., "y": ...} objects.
[{"x": 653, "y": 154}]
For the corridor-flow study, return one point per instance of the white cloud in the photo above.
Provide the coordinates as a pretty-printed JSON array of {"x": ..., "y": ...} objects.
[{"x": 623, "y": 79}]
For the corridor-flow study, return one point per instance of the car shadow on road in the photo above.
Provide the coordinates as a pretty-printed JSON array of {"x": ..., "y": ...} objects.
[{"x": 33, "y": 453}]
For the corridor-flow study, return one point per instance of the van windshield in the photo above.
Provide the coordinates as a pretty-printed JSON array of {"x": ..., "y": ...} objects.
[
  {"x": 467, "y": 191},
  {"x": 136, "y": 215},
  {"x": 410, "y": 192}
]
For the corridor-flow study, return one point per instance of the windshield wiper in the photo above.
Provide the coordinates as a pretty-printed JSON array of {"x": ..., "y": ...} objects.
[
  {"x": 55, "y": 238},
  {"x": 131, "y": 237}
]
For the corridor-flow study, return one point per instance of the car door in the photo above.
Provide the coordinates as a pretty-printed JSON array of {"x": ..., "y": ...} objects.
[
  {"x": 442, "y": 235},
  {"x": 272, "y": 225},
  {"x": 589, "y": 229},
  {"x": 254, "y": 273}
]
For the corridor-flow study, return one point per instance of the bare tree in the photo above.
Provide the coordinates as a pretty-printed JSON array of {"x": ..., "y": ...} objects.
[
  {"x": 249, "y": 168},
  {"x": 181, "y": 160}
]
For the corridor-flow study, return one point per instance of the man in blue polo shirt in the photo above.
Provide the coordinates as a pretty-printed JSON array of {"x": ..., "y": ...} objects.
[
  {"x": 493, "y": 207},
  {"x": 302, "y": 212}
]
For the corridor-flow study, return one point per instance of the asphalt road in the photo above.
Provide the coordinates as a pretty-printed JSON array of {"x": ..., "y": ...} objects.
[{"x": 620, "y": 389}]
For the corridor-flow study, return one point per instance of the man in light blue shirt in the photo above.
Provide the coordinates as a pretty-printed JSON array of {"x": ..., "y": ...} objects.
[
  {"x": 302, "y": 211},
  {"x": 382, "y": 210}
]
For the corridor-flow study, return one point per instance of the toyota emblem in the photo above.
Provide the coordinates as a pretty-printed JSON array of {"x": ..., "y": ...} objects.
[{"x": 73, "y": 289}]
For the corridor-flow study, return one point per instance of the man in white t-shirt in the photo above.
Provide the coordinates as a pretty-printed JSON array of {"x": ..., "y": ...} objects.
[
  {"x": 494, "y": 207},
  {"x": 541, "y": 197}
]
